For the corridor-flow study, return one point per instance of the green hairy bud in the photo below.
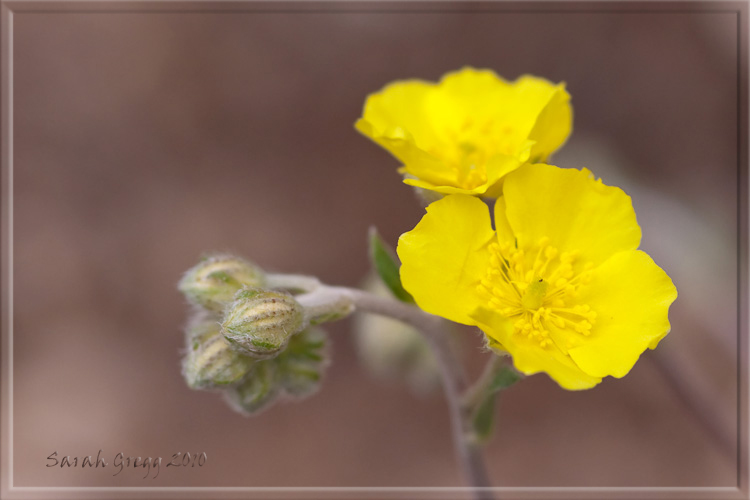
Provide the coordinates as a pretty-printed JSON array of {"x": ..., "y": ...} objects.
[
  {"x": 295, "y": 373},
  {"x": 210, "y": 361},
  {"x": 213, "y": 283},
  {"x": 257, "y": 392},
  {"x": 302, "y": 364},
  {"x": 260, "y": 322}
]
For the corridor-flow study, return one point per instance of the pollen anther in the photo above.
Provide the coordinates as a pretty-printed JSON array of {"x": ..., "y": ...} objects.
[{"x": 537, "y": 286}]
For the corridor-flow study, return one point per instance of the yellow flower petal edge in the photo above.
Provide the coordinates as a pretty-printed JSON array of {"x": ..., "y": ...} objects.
[
  {"x": 463, "y": 134},
  {"x": 448, "y": 247},
  {"x": 560, "y": 285},
  {"x": 571, "y": 208},
  {"x": 528, "y": 358},
  {"x": 633, "y": 293}
]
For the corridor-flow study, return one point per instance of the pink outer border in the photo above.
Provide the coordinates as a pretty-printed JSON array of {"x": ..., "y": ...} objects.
[{"x": 7, "y": 11}]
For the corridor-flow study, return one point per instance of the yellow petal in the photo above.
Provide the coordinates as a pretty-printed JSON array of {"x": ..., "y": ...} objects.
[
  {"x": 631, "y": 296},
  {"x": 576, "y": 212},
  {"x": 529, "y": 357},
  {"x": 445, "y": 256},
  {"x": 531, "y": 98},
  {"x": 512, "y": 110},
  {"x": 467, "y": 93},
  {"x": 401, "y": 144},
  {"x": 553, "y": 125},
  {"x": 395, "y": 119},
  {"x": 497, "y": 168},
  {"x": 442, "y": 188},
  {"x": 459, "y": 136},
  {"x": 481, "y": 94},
  {"x": 470, "y": 85},
  {"x": 502, "y": 227},
  {"x": 397, "y": 108}
]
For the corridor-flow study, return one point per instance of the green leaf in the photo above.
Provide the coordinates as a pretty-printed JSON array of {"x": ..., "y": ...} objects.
[
  {"x": 384, "y": 261},
  {"x": 483, "y": 419},
  {"x": 504, "y": 378}
]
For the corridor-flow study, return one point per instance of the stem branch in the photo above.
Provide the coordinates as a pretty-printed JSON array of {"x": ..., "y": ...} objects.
[
  {"x": 293, "y": 282},
  {"x": 434, "y": 331},
  {"x": 324, "y": 301},
  {"x": 474, "y": 395}
]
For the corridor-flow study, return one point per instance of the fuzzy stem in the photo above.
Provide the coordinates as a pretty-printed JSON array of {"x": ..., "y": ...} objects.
[
  {"x": 474, "y": 395},
  {"x": 323, "y": 300},
  {"x": 434, "y": 331},
  {"x": 293, "y": 282},
  {"x": 325, "y": 304}
]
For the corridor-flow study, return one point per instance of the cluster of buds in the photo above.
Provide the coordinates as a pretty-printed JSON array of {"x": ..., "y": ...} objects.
[{"x": 247, "y": 339}]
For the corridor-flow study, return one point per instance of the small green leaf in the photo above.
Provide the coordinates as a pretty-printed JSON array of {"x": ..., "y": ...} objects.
[
  {"x": 384, "y": 261},
  {"x": 504, "y": 378},
  {"x": 483, "y": 420}
]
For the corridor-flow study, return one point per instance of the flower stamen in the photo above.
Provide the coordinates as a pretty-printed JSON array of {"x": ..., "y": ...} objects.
[{"x": 539, "y": 293}]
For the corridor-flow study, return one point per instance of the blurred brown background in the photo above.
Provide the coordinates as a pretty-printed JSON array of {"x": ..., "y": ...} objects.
[{"x": 144, "y": 139}]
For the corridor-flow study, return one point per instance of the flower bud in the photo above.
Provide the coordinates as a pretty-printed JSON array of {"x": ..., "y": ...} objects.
[
  {"x": 213, "y": 283},
  {"x": 257, "y": 391},
  {"x": 210, "y": 361},
  {"x": 303, "y": 362},
  {"x": 295, "y": 373},
  {"x": 260, "y": 322}
]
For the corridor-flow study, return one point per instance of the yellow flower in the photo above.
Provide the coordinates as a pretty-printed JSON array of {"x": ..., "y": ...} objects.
[
  {"x": 560, "y": 284},
  {"x": 464, "y": 134}
]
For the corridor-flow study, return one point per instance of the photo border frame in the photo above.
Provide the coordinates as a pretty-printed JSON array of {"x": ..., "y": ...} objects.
[{"x": 8, "y": 9}]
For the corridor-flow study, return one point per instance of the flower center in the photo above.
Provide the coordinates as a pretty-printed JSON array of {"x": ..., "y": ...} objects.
[
  {"x": 533, "y": 295},
  {"x": 468, "y": 148},
  {"x": 538, "y": 287}
]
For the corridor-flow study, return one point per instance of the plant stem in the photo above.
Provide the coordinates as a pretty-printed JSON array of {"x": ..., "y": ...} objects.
[
  {"x": 293, "y": 282},
  {"x": 434, "y": 330},
  {"x": 322, "y": 299},
  {"x": 475, "y": 394}
]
